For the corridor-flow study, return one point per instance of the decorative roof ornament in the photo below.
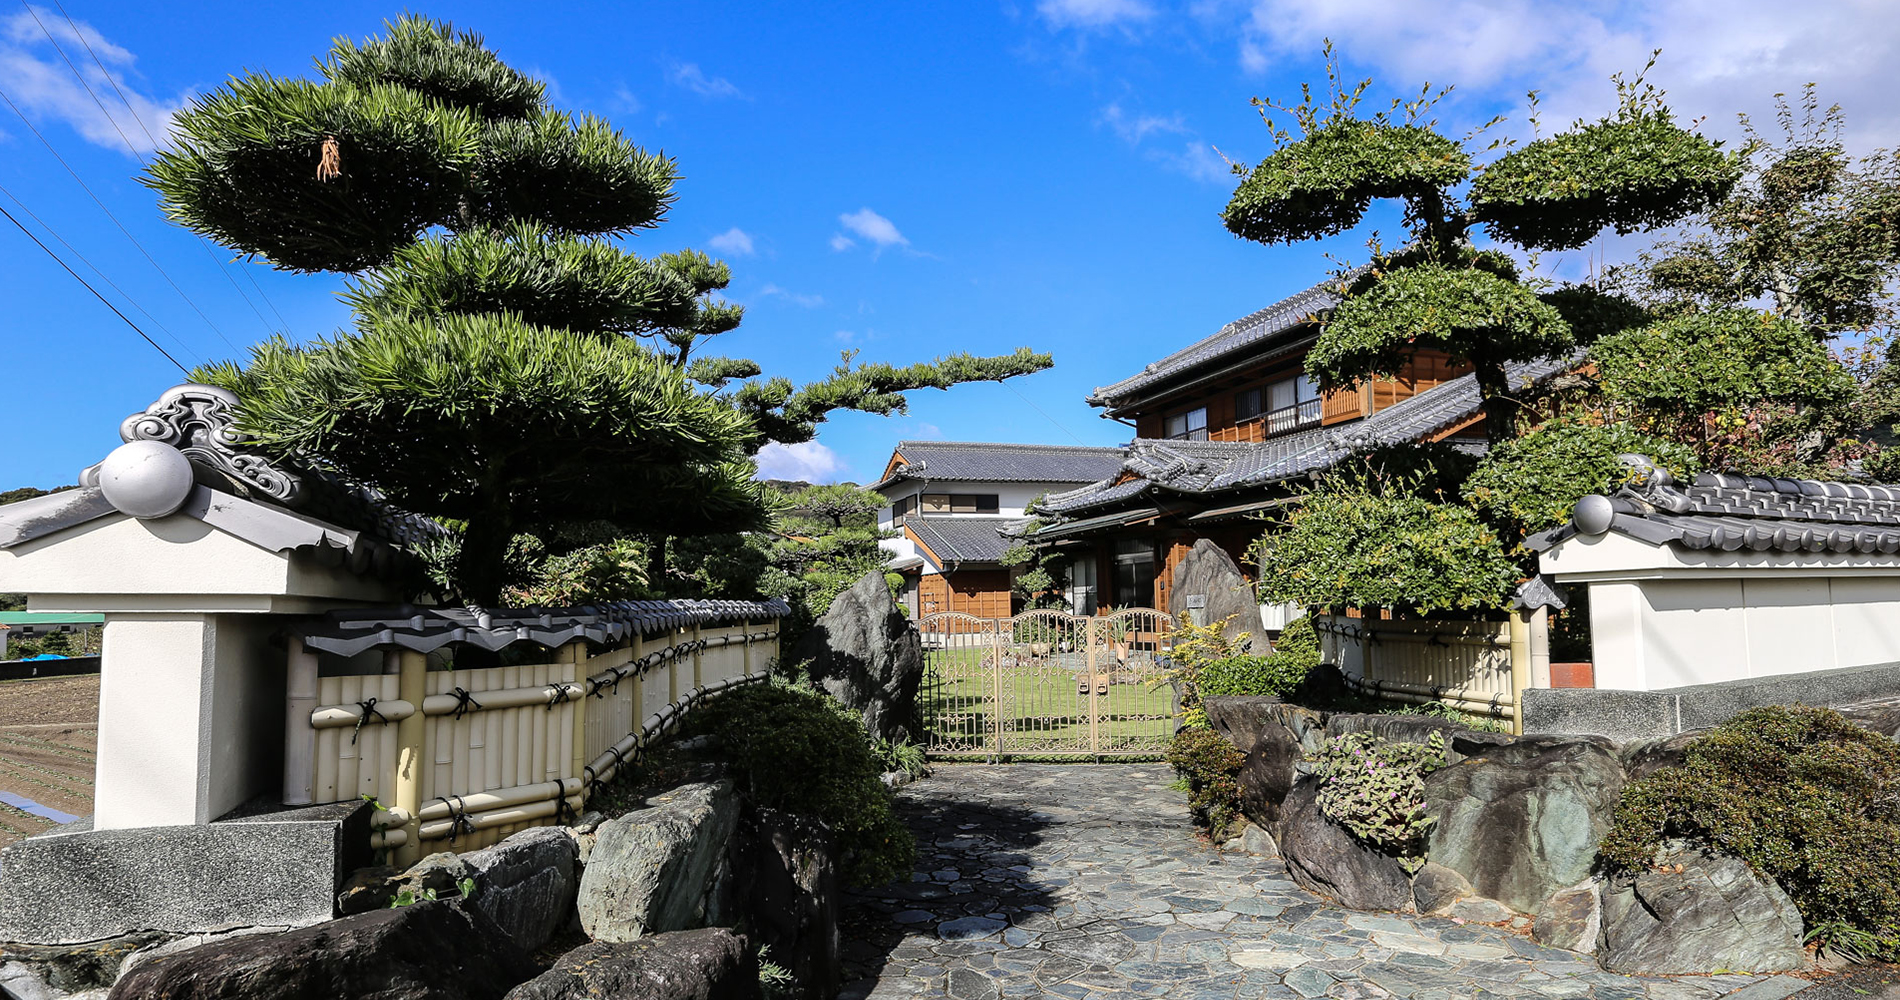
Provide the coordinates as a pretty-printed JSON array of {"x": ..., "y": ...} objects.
[{"x": 201, "y": 422}]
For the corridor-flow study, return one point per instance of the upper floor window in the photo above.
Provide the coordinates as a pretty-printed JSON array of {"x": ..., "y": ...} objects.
[
  {"x": 1189, "y": 426},
  {"x": 903, "y": 506},
  {"x": 960, "y": 503},
  {"x": 1286, "y": 405}
]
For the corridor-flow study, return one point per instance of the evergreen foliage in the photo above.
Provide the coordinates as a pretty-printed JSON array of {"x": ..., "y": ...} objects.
[
  {"x": 1375, "y": 788},
  {"x": 1719, "y": 359},
  {"x": 1210, "y": 764},
  {"x": 1532, "y": 482},
  {"x": 1280, "y": 674},
  {"x": 491, "y": 382},
  {"x": 1804, "y": 796}
]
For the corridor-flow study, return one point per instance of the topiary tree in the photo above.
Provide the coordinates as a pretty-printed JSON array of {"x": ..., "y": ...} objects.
[
  {"x": 1634, "y": 169},
  {"x": 491, "y": 380},
  {"x": 1532, "y": 482}
]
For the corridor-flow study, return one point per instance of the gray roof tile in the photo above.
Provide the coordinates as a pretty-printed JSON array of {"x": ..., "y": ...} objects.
[
  {"x": 1728, "y": 512},
  {"x": 964, "y": 539},
  {"x": 1200, "y": 467},
  {"x": 973, "y": 461}
]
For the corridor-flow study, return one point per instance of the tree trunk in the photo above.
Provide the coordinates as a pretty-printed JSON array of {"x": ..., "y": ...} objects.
[
  {"x": 656, "y": 564},
  {"x": 1500, "y": 407},
  {"x": 481, "y": 570}
]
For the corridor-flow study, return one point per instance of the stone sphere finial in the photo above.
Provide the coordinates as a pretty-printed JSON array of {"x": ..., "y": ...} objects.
[
  {"x": 1592, "y": 514},
  {"x": 146, "y": 479}
]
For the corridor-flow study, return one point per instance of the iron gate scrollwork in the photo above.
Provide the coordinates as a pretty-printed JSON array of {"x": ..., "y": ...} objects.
[{"x": 1047, "y": 683}]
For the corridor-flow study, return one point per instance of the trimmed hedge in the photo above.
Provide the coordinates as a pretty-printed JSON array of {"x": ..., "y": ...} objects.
[{"x": 1804, "y": 796}]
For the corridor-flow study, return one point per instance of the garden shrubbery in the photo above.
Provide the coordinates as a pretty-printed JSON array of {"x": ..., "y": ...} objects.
[
  {"x": 797, "y": 750},
  {"x": 1375, "y": 788},
  {"x": 1211, "y": 766},
  {"x": 1804, "y": 796},
  {"x": 1280, "y": 674}
]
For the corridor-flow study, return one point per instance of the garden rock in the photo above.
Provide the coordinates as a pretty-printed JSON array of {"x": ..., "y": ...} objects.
[
  {"x": 428, "y": 951},
  {"x": 1243, "y": 719},
  {"x": 1642, "y": 758},
  {"x": 1257, "y": 841},
  {"x": 1479, "y": 910},
  {"x": 865, "y": 653},
  {"x": 1524, "y": 819},
  {"x": 367, "y": 889},
  {"x": 1714, "y": 915},
  {"x": 1571, "y": 918},
  {"x": 659, "y": 868},
  {"x": 1209, "y": 572},
  {"x": 707, "y": 964},
  {"x": 791, "y": 897},
  {"x": 1322, "y": 857},
  {"x": 1416, "y": 729},
  {"x": 527, "y": 883},
  {"x": 1436, "y": 886}
]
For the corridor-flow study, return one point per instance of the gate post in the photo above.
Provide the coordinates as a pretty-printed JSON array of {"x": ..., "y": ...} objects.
[
  {"x": 996, "y": 690},
  {"x": 411, "y": 736},
  {"x": 1095, "y": 715}
]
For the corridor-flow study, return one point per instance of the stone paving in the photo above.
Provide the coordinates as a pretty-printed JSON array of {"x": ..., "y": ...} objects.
[{"x": 1086, "y": 881}]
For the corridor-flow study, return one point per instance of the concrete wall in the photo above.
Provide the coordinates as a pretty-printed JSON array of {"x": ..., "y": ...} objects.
[{"x": 1664, "y": 633}]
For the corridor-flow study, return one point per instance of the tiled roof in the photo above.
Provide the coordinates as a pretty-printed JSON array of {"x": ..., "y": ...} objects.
[
  {"x": 1726, "y": 512},
  {"x": 354, "y": 631},
  {"x": 963, "y": 539},
  {"x": 1201, "y": 467},
  {"x": 974, "y": 461},
  {"x": 1247, "y": 333}
]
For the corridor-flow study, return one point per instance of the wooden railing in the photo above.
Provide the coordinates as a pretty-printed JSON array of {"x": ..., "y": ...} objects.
[
  {"x": 1465, "y": 665},
  {"x": 461, "y": 759}
]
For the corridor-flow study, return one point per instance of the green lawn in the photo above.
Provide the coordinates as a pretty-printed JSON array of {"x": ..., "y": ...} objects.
[{"x": 1045, "y": 707}]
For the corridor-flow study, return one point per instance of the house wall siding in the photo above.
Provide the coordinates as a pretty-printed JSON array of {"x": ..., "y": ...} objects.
[
  {"x": 1426, "y": 369},
  {"x": 983, "y": 593}
]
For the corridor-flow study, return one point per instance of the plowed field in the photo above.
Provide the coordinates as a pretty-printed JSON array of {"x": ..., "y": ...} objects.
[{"x": 48, "y": 734}]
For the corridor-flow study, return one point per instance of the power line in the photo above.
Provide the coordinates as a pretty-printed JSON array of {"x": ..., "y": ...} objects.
[
  {"x": 54, "y": 233},
  {"x": 1045, "y": 416},
  {"x": 133, "y": 112},
  {"x": 115, "y": 219},
  {"x": 108, "y": 302}
]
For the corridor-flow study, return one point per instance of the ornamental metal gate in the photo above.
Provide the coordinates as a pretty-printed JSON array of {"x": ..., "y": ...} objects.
[{"x": 1047, "y": 684}]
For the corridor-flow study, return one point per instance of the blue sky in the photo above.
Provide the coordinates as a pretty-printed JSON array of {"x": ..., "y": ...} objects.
[{"x": 883, "y": 178}]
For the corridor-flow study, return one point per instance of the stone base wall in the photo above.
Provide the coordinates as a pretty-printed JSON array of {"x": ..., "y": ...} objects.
[
  {"x": 1635, "y": 715},
  {"x": 1515, "y": 826}
]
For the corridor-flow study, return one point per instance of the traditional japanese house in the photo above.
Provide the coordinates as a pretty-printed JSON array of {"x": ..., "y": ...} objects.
[
  {"x": 955, "y": 501},
  {"x": 1226, "y": 428}
]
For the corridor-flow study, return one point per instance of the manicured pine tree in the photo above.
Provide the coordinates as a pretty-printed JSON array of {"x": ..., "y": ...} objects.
[{"x": 500, "y": 373}]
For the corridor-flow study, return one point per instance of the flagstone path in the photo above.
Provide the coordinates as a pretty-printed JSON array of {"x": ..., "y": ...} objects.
[{"x": 1086, "y": 882}]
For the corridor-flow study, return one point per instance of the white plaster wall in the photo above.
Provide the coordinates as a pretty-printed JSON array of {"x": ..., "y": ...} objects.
[
  {"x": 154, "y": 697},
  {"x": 1663, "y": 633},
  {"x": 1011, "y": 498}
]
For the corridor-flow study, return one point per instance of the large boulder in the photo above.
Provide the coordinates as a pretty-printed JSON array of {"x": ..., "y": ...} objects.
[
  {"x": 791, "y": 897},
  {"x": 1715, "y": 915},
  {"x": 707, "y": 964},
  {"x": 1571, "y": 918},
  {"x": 1324, "y": 858},
  {"x": 427, "y": 951},
  {"x": 1244, "y": 719},
  {"x": 865, "y": 653},
  {"x": 1523, "y": 819},
  {"x": 1210, "y": 576},
  {"x": 662, "y": 867},
  {"x": 527, "y": 884}
]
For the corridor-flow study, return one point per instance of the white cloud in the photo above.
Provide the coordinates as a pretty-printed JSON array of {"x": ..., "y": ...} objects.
[
  {"x": 1193, "y": 157},
  {"x": 1093, "y": 13},
  {"x": 841, "y": 242},
  {"x": 844, "y": 336},
  {"x": 734, "y": 242},
  {"x": 40, "y": 81},
  {"x": 871, "y": 226},
  {"x": 626, "y": 101},
  {"x": 1134, "y": 128},
  {"x": 808, "y": 301},
  {"x": 1719, "y": 56},
  {"x": 690, "y": 76},
  {"x": 808, "y": 461}
]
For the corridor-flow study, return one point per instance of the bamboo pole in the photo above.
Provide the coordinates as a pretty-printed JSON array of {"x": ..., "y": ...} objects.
[
  {"x": 300, "y": 737},
  {"x": 410, "y": 734},
  {"x": 577, "y": 729},
  {"x": 1520, "y": 667}
]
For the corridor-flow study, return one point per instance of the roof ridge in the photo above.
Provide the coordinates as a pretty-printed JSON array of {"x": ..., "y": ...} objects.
[{"x": 1009, "y": 444}]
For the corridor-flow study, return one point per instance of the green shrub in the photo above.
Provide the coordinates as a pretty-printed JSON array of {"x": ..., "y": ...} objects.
[
  {"x": 1804, "y": 796},
  {"x": 1279, "y": 675},
  {"x": 1375, "y": 788},
  {"x": 797, "y": 750},
  {"x": 1211, "y": 765}
]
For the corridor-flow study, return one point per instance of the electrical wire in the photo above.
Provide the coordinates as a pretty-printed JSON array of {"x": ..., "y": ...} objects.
[
  {"x": 108, "y": 302},
  {"x": 115, "y": 219},
  {"x": 133, "y": 112},
  {"x": 54, "y": 233}
]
